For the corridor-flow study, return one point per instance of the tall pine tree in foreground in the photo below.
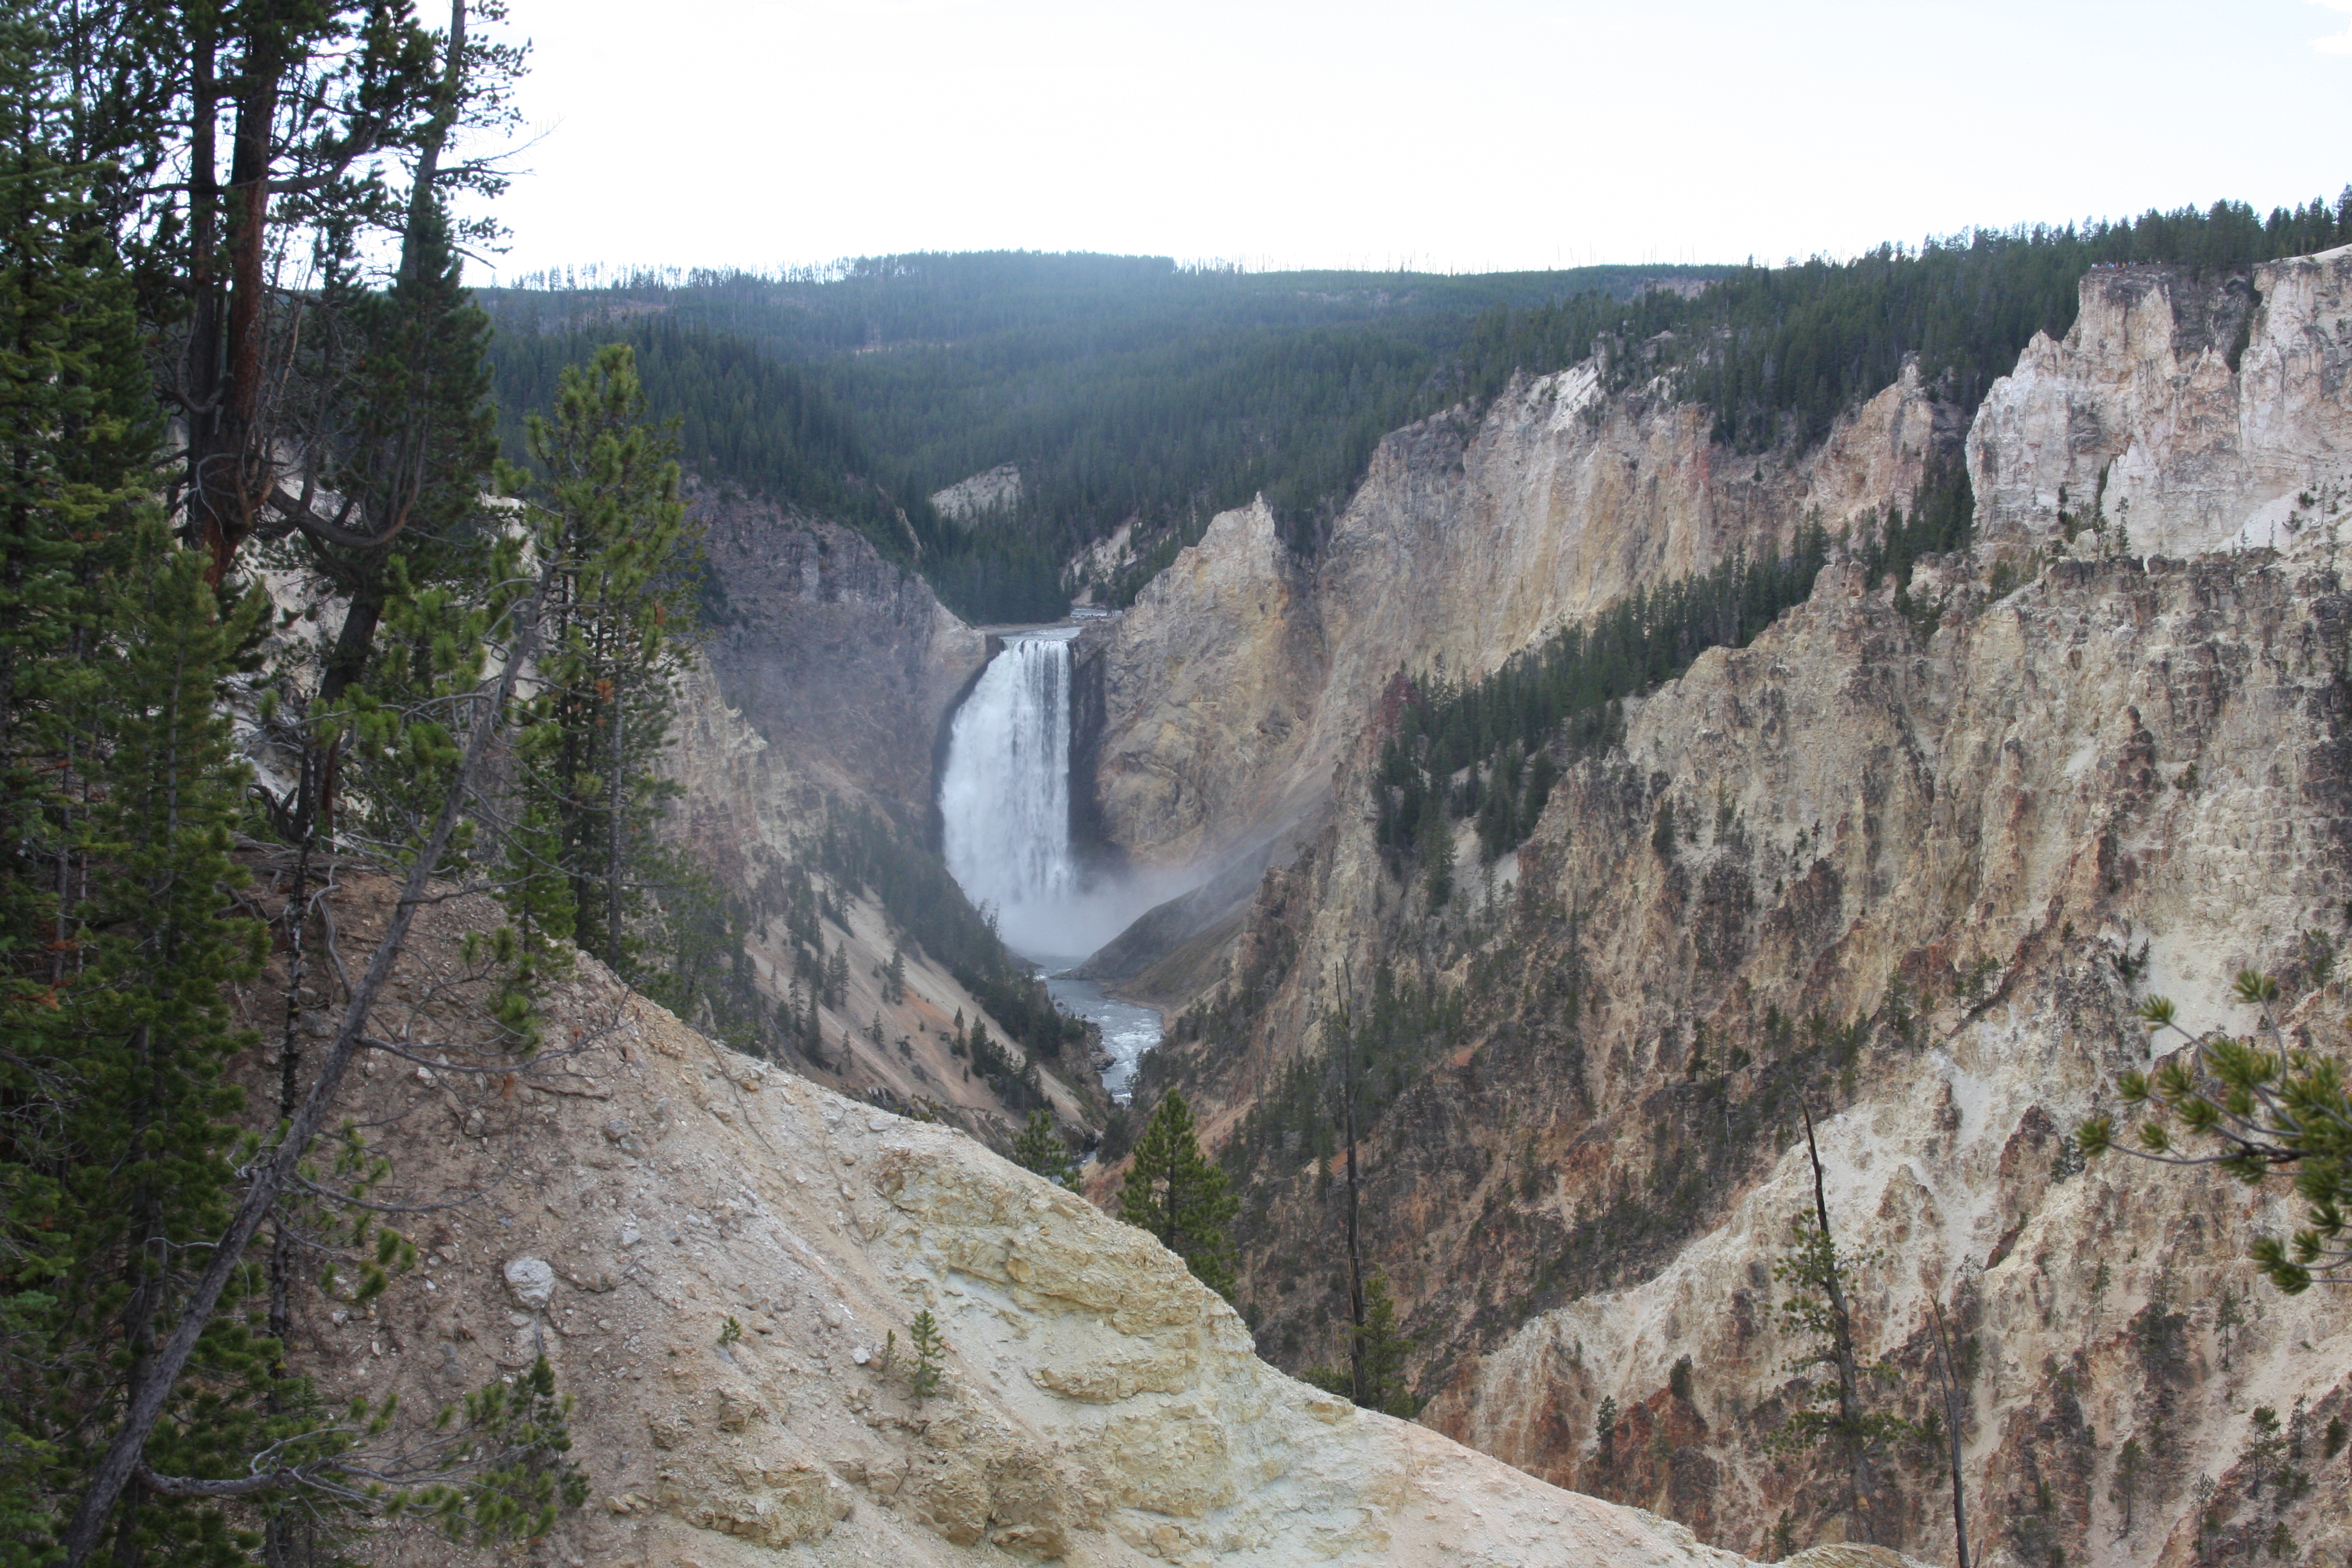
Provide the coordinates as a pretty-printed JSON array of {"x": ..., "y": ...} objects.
[
  {"x": 1178, "y": 1195},
  {"x": 118, "y": 790},
  {"x": 608, "y": 523}
]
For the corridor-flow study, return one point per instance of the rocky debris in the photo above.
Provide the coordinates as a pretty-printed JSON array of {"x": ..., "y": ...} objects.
[{"x": 531, "y": 1281}]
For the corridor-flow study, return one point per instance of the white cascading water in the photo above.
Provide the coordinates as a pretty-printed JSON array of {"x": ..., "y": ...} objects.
[
  {"x": 1004, "y": 799},
  {"x": 1004, "y": 806}
]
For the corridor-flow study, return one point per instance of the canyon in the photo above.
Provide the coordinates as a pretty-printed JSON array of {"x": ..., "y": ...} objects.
[
  {"x": 1924, "y": 853},
  {"x": 1927, "y": 858}
]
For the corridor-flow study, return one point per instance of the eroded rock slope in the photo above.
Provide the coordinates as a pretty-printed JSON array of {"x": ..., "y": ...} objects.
[
  {"x": 714, "y": 1253},
  {"x": 1241, "y": 676}
]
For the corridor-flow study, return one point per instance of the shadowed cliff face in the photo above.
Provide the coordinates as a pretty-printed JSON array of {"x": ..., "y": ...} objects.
[
  {"x": 831, "y": 651},
  {"x": 1924, "y": 868}
]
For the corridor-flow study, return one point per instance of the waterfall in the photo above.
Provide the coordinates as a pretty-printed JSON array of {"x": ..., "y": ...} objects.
[
  {"x": 1005, "y": 798},
  {"x": 1004, "y": 807}
]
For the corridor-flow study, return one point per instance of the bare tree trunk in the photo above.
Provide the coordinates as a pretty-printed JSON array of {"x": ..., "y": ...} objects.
[
  {"x": 279, "y": 1544},
  {"x": 1949, "y": 1375},
  {"x": 1857, "y": 1482},
  {"x": 616, "y": 827},
  {"x": 236, "y": 471},
  {"x": 1355, "y": 1256},
  {"x": 200, "y": 393}
]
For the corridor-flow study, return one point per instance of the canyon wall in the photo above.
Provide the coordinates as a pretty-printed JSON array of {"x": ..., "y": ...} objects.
[
  {"x": 1241, "y": 676},
  {"x": 832, "y": 654},
  {"x": 1909, "y": 864}
]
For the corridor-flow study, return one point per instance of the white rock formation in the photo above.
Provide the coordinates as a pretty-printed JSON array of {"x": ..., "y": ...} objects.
[
  {"x": 531, "y": 1280},
  {"x": 2194, "y": 416},
  {"x": 991, "y": 494}
]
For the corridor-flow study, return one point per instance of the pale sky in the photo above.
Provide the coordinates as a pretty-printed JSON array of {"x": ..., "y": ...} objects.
[{"x": 1461, "y": 135}]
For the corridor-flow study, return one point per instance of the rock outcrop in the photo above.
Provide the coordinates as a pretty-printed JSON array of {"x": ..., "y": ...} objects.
[
  {"x": 991, "y": 494},
  {"x": 2190, "y": 413},
  {"x": 723, "y": 1262}
]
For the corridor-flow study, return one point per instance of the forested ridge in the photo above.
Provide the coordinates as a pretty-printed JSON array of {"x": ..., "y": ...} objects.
[
  {"x": 1124, "y": 387},
  {"x": 1130, "y": 389},
  {"x": 1778, "y": 353}
]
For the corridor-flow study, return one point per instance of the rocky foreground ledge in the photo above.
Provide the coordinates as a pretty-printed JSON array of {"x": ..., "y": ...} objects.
[{"x": 1097, "y": 1404}]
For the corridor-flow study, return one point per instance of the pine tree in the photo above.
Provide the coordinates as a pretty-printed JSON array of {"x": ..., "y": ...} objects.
[
  {"x": 1040, "y": 1149},
  {"x": 1436, "y": 840},
  {"x": 117, "y": 792},
  {"x": 1179, "y": 1195},
  {"x": 611, "y": 526},
  {"x": 836, "y": 977},
  {"x": 894, "y": 978},
  {"x": 1377, "y": 1353},
  {"x": 144, "y": 1380},
  {"x": 285, "y": 128},
  {"x": 1385, "y": 1352},
  {"x": 1816, "y": 1270}
]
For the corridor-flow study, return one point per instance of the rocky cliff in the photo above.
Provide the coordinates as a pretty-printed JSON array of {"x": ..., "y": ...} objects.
[
  {"x": 2187, "y": 412},
  {"x": 832, "y": 653},
  {"x": 716, "y": 1255},
  {"x": 1920, "y": 861},
  {"x": 1241, "y": 676}
]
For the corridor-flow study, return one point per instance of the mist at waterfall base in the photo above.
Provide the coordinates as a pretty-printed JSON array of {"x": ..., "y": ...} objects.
[{"x": 1004, "y": 810}]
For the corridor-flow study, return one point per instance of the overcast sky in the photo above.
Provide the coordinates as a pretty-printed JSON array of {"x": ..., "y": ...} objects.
[{"x": 1447, "y": 134}]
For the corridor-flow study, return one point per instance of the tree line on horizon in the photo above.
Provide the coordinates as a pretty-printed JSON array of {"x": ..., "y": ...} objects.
[{"x": 1130, "y": 391}]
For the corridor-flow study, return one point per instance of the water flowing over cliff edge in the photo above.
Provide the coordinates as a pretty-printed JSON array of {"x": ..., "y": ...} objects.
[{"x": 1004, "y": 796}]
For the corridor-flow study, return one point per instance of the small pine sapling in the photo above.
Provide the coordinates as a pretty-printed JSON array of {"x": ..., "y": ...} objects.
[{"x": 931, "y": 1356}]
